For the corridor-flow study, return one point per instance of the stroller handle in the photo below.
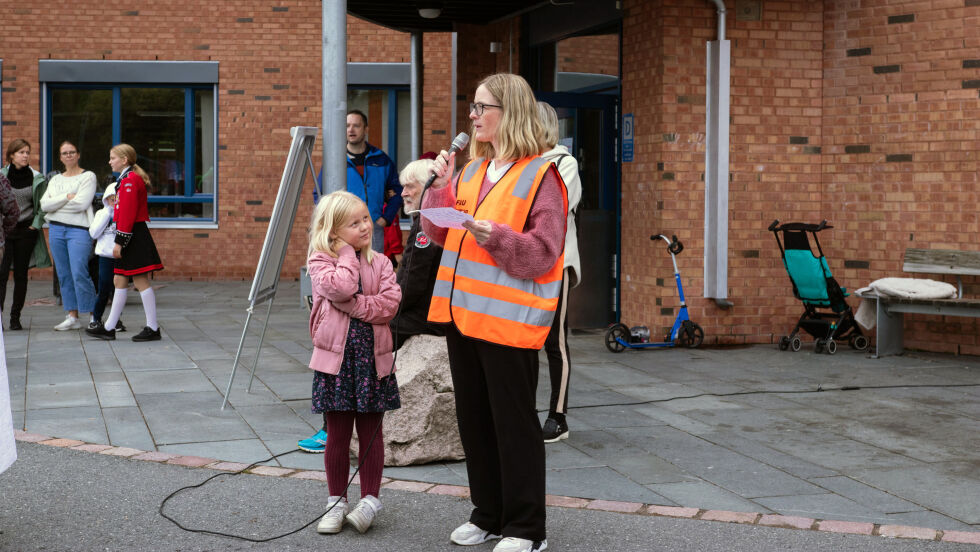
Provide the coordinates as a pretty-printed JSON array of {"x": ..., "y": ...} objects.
[{"x": 673, "y": 245}]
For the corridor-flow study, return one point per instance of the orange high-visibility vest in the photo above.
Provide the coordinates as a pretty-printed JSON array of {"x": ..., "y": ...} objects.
[{"x": 482, "y": 300}]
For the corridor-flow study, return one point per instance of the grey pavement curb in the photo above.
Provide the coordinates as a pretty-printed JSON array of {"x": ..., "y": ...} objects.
[{"x": 634, "y": 508}]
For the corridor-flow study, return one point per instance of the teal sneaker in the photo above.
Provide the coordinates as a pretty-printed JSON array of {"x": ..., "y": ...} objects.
[{"x": 316, "y": 443}]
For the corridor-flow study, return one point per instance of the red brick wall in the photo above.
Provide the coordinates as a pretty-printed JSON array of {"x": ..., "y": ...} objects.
[
  {"x": 269, "y": 80},
  {"x": 901, "y": 133},
  {"x": 589, "y": 54}
]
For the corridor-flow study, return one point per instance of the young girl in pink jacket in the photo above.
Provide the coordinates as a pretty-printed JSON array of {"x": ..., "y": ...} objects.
[{"x": 355, "y": 295}]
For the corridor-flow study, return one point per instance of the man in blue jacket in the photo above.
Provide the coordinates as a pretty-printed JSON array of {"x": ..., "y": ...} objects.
[{"x": 371, "y": 176}]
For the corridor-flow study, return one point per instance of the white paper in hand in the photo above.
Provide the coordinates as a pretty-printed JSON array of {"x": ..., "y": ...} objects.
[{"x": 446, "y": 217}]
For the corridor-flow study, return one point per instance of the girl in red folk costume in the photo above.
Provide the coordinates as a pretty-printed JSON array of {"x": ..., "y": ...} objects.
[{"x": 135, "y": 253}]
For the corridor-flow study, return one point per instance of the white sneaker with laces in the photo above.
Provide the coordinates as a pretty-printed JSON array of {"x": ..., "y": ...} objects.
[
  {"x": 469, "y": 534},
  {"x": 70, "y": 323},
  {"x": 514, "y": 544},
  {"x": 363, "y": 514},
  {"x": 333, "y": 520}
]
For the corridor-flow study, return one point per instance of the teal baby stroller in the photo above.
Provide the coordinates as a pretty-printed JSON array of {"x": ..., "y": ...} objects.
[{"x": 815, "y": 286}]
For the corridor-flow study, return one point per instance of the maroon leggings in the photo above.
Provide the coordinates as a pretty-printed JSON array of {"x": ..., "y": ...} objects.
[{"x": 336, "y": 457}]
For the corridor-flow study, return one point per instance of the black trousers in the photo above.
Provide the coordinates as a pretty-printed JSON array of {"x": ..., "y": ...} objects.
[
  {"x": 556, "y": 349},
  {"x": 16, "y": 254},
  {"x": 495, "y": 399}
]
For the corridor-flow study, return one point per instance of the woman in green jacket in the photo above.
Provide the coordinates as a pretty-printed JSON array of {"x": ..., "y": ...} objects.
[{"x": 25, "y": 246}]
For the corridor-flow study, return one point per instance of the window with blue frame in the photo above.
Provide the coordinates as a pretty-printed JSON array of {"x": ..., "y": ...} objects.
[{"x": 172, "y": 128}]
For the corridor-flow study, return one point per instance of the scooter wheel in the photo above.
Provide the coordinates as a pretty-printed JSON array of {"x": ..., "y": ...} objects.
[
  {"x": 783, "y": 343},
  {"x": 691, "y": 335},
  {"x": 795, "y": 344},
  {"x": 614, "y": 337}
]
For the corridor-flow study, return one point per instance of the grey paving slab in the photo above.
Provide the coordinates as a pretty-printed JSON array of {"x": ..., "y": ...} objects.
[
  {"x": 113, "y": 389},
  {"x": 647, "y": 469},
  {"x": 154, "y": 355},
  {"x": 926, "y": 518},
  {"x": 950, "y": 488},
  {"x": 240, "y": 450},
  {"x": 240, "y": 396},
  {"x": 191, "y": 418},
  {"x": 564, "y": 454},
  {"x": 205, "y": 350},
  {"x": 746, "y": 445},
  {"x": 823, "y": 506},
  {"x": 433, "y": 473},
  {"x": 675, "y": 420},
  {"x": 274, "y": 421},
  {"x": 707, "y": 496},
  {"x": 866, "y": 495},
  {"x": 168, "y": 381},
  {"x": 61, "y": 395},
  {"x": 589, "y": 482},
  {"x": 287, "y": 386},
  {"x": 604, "y": 445},
  {"x": 84, "y": 423},
  {"x": 300, "y": 460},
  {"x": 126, "y": 428},
  {"x": 827, "y": 449},
  {"x": 41, "y": 374}
]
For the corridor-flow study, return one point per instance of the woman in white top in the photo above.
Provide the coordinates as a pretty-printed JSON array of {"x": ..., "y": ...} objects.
[{"x": 68, "y": 204}]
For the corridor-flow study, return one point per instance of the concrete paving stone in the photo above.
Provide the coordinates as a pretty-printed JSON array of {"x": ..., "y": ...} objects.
[
  {"x": 274, "y": 421},
  {"x": 646, "y": 469},
  {"x": 675, "y": 420},
  {"x": 950, "y": 488},
  {"x": 439, "y": 472},
  {"x": 204, "y": 350},
  {"x": 41, "y": 374},
  {"x": 259, "y": 394},
  {"x": 952, "y": 400},
  {"x": 103, "y": 363},
  {"x": 736, "y": 441},
  {"x": 287, "y": 386},
  {"x": 827, "y": 449},
  {"x": 303, "y": 409},
  {"x": 246, "y": 451},
  {"x": 113, "y": 389},
  {"x": 865, "y": 495},
  {"x": 17, "y": 416},
  {"x": 84, "y": 423},
  {"x": 926, "y": 518},
  {"x": 613, "y": 375},
  {"x": 608, "y": 416},
  {"x": 702, "y": 494},
  {"x": 656, "y": 393},
  {"x": 61, "y": 395},
  {"x": 126, "y": 428},
  {"x": 604, "y": 445},
  {"x": 299, "y": 460},
  {"x": 600, "y": 482},
  {"x": 168, "y": 381},
  {"x": 822, "y": 506},
  {"x": 923, "y": 435},
  {"x": 175, "y": 418}
]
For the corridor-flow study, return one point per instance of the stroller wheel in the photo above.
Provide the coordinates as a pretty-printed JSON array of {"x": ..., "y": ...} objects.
[
  {"x": 795, "y": 344},
  {"x": 859, "y": 342},
  {"x": 818, "y": 346},
  {"x": 691, "y": 335},
  {"x": 831, "y": 346},
  {"x": 615, "y": 333},
  {"x": 783, "y": 343}
]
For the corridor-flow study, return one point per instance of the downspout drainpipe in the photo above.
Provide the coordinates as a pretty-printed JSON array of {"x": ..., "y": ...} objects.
[
  {"x": 334, "y": 115},
  {"x": 718, "y": 100},
  {"x": 416, "y": 95}
]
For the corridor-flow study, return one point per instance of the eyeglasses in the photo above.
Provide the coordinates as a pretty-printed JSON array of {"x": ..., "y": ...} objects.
[
  {"x": 69, "y": 153},
  {"x": 480, "y": 107}
]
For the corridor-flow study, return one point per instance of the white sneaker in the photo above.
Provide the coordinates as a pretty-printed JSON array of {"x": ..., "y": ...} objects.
[
  {"x": 363, "y": 514},
  {"x": 70, "y": 323},
  {"x": 514, "y": 544},
  {"x": 469, "y": 534},
  {"x": 333, "y": 520}
]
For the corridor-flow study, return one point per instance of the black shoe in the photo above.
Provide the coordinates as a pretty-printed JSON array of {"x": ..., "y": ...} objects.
[
  {"x": 93, "y": 325},
  {"x": 101, "y": 333},
  {"x": 554, "y": 430},
  {"x": 147, "y": 335},
  {"x": 15, "y": 324},
  {"x": 120, "y": 327}
]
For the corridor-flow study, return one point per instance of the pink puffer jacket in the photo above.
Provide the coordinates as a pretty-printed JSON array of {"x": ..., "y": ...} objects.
[{"x": 335, "y": 301}]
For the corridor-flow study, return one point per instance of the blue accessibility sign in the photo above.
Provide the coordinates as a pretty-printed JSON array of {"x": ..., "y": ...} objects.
[{"x": 627, "y": 138}]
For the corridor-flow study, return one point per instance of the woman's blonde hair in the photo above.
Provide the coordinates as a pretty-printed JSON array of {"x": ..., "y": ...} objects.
[
  {"x": 417, "y": 171},
  {"x": 549, "y": 120},
  {"x": 331, "y": 212},
  {"x": 128, "y": 153},
  {"x": 520, "y": 133}
]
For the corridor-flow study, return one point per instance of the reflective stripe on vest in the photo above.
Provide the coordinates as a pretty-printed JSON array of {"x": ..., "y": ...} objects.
[{"x": 470, "y": 290}]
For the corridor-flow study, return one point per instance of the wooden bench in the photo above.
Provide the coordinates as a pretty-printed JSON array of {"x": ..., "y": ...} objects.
[{"x": 890, "y": 310}]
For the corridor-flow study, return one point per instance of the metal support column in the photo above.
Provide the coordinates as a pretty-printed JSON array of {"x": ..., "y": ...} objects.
[
  {"x": 718, "y": 101},
  {"x": 334, "y": 35}
]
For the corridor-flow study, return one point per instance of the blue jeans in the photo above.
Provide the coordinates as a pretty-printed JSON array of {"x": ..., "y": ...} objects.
[
  {"x": 70, "y": 248},
  {"x": 378, "y": 238}
]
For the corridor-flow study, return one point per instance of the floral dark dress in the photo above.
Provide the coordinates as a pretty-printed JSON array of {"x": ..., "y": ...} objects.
[{"x": 356, "y": 387}]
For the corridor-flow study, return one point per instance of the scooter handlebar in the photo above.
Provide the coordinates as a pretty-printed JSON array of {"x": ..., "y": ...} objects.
[{"x": 673, "y": 245}]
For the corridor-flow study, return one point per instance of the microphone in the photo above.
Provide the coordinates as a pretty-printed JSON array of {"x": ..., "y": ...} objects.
[{"x": 460, "y": 142}]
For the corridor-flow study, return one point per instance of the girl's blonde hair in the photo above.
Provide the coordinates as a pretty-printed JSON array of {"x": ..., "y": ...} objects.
[
  {"x": 331, "y": 212},
  {"x": 520, "y": 133},
  {"x": 549, "y": 120},
  {"x": 128, "y": 153}
]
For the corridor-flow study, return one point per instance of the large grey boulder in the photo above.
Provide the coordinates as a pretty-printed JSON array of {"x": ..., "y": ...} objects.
[{"x": 424, "y": 429}]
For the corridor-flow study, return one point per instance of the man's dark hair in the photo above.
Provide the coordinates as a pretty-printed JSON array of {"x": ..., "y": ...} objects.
[{"x": 359, "y": 112}]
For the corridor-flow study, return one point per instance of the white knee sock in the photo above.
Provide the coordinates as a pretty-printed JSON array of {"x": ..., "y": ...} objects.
[
  {"x": 150, "y": 307},
  {"x": 118, "y": 302}
]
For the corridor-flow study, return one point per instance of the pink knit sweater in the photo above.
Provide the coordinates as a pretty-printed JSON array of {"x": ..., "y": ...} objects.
[{"x": 525, "y": 253}]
